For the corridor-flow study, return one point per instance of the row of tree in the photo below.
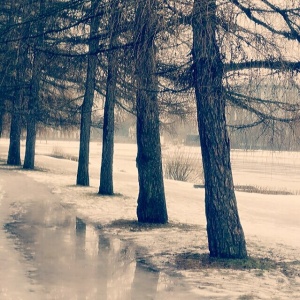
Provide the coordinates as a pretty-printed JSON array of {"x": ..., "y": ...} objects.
[{"x": 153, "y": 58}]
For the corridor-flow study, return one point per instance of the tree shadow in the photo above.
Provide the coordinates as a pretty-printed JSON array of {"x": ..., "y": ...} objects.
[{"x": 201, "y": 261}]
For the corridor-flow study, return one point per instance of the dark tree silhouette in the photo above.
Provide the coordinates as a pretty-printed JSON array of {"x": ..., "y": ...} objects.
[
  {"x": 151, "y": 200},
  {"x": 34, "y": 93},
  {"x": 106, "y": 173},
  {"x": 225, "y": 234},
  {"x": 14, "y": 151},
  {"x": 86, "y": 108}
]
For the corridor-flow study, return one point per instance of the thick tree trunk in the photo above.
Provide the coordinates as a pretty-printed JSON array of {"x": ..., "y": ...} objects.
[
  {"x": 151, "y": 200},
  {"x": 225, "y": 234},
  {"x": 106, "y": 173},
  {"x": 86, "y": 109}
]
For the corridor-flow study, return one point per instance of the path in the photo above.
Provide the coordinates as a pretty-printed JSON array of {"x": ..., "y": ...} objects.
[{"x": 46, "y": 252}]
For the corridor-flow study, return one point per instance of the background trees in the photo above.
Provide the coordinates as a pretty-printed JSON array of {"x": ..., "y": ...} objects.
[{"x": 35, "y": 90}]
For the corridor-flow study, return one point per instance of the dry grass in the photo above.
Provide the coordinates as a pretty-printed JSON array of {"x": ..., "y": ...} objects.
[
  {"x": 263, "y": 190},
  {"x": 259, "y": 190},
  {"x": 182, "y": 165},
  {"x": 196, "y": 261},
  {"x": 58, "y": 152}
]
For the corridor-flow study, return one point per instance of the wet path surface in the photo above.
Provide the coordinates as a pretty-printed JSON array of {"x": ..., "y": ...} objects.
[{"x": 48, "y": 253}]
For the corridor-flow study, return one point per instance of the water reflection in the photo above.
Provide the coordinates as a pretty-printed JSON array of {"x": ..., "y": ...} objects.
[
  {"x": 145, "y": 281},
  {"x": 72, "y": 260},
  {"x": 80, "y": 238}
]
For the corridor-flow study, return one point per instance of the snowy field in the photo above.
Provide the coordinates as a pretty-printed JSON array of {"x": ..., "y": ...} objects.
[{"x": 271, "y": 222}]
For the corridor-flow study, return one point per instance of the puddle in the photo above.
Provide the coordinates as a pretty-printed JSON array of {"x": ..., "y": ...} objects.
[{"x": 68, "y": 259}]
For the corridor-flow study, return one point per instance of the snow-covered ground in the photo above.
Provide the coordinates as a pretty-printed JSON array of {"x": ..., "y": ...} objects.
[{"x": 271, "y": 222}]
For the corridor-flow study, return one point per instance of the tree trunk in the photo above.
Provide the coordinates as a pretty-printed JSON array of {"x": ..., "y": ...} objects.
[
  {"x": 33, "y": 101},
  {"x": 31, "y": 117},
  {"x": 86, "y": 108},
  {"x": 225, "y": 234},
  {"x": 14, "y": 155},
  {"x": 106, "y": 174},
  {"x": 151, "y": 200},
  {"x": 14, "y": 151},
  {"x": 1, "y": 117},
  {"x": 30, "y": 141},
  {"x": 86, "y": 116}
]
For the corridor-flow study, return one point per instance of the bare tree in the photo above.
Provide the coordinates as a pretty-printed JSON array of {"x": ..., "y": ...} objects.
[
  {"x": 235, "y": 43},
  {"x": 225, "y": 234},
  {"x": 34, "y": 92},
  {"x": 106, "y": 173},
  {"x": 251, "y": 50},
  {"x": 151, "y": 200},
  {"x": 86, "y": 108}
]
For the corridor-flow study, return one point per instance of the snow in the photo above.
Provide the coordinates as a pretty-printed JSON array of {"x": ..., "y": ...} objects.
[{"x": 271, "y": 222}]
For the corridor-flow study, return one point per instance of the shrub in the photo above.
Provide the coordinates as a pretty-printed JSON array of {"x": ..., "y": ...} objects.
[
  {"x": 183, "y": 165},
  {"x": 58, "y": 152}
]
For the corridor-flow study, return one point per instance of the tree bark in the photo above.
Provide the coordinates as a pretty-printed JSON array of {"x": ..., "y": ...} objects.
[
  {"x": 30, "y": 139},
  {"x": 14, "y": 150},
  {"x": 151, "y": 199},
  {"x": 33, "y": 101},
  {"x": 86, "y": 108},
  {"x": 225, "y": 234},
  {"x": 1, "y": 116},
  {"x": 106, "y": 173},
  {"x": 85, "y": 126},
  {"x": 14, "y": 153}
]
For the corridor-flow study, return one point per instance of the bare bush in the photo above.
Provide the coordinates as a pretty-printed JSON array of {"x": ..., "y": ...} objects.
[
  {"x": 183, "y": 165},
  {"x": 58, "y": 152}
]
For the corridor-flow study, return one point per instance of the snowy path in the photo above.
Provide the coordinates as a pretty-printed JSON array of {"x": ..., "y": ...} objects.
[
  {"x": 14, "y": 281},
  {"x": 48, "y": 253}
]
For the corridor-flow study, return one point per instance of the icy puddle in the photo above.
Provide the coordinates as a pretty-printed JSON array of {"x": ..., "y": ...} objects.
[{"x": 66, "y": 259}]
